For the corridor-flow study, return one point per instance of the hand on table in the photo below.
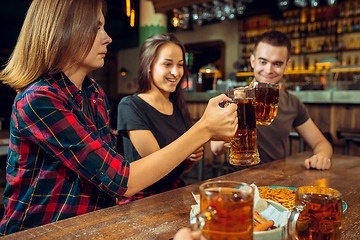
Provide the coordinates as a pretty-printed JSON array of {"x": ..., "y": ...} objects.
[
  {"x": 187, "y": 234},
  {"x": 318, "y": 161},
  {"x": 197, "y": 155}
]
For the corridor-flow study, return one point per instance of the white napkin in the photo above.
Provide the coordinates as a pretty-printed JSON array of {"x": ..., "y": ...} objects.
[
  {"x": 196, "y": 208},
  {"x": 269, "y": 211}
]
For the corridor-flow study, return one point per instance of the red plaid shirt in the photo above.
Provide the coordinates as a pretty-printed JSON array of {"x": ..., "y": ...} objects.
[{"x": 60, "y": 164}]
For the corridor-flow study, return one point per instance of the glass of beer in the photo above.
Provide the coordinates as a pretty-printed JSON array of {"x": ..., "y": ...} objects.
[
  {"x": 243, "y": 146},
  {"x": 317, "y": 214},
  {"x": 266, "y": 101},
  {"x": 226, "y": 210}
]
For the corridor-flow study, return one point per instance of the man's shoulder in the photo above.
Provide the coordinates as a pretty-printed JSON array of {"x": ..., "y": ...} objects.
[{"x": 286, "y": 95}]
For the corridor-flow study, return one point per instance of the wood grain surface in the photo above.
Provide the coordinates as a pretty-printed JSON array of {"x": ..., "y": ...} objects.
[{"x": 162, "y": 215}]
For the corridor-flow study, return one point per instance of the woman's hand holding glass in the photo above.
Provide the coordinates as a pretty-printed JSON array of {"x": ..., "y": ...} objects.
[
  {"x": 243, "y": 145},
  {"x": 220, "y": 122}
]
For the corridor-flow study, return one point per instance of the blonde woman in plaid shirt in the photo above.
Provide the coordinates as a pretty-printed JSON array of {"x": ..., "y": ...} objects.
[{"x": 62, "y": 160}]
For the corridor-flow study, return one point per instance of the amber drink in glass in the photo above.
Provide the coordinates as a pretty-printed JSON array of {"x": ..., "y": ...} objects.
[
  {"x": 243, "y": 146},
  {"x": 319, "y": 214},
  {"x": 266, "y": 101},
  {"x": 232, "y": 206}
]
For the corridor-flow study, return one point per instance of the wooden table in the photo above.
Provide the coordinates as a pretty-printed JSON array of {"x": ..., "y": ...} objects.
[{"x": 160, "y": 216}]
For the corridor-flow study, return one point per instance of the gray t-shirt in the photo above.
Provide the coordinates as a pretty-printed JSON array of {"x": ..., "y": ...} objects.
[{"x": 273, "y": 140}]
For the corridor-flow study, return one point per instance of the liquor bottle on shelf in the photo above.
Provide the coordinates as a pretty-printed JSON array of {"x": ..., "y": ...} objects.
[
  {"x": 351, "y": 44},
  {"x": 356, "y": 60},
  {"x": 338, "y": 27},
  {"x": 303, "y": 48},
  {"x": 325, "y": 46},
  {"x": 349, "y": 25},
  {"x": 356, "y": 26},
  {"x": 310, "y": 47},
  {"x": 351, "y": 9},
  {"x": 341, "y": 45},
  {"x": 306, "y": 62},
  {"x": 342, "y": 10},
  {"x": 303, "y": 18},
  {"x": 244, "y": 51},
  {"x": 302, "y": 30},
  {"x": 346, "y": 9},
  {"x": 348, "y": 61},
  {"x": 312, "y": 15},
  {"x": 297, "y": 16},
  {"x": 296, "y": 31}
]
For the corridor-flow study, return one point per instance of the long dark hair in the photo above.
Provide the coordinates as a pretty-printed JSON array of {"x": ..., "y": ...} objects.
[{"x": 148, "y": 52}]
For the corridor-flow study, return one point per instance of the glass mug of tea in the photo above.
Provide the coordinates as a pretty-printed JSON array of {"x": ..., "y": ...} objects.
[
  {"x": 316, "y": 215},
  {"x": 226, "y": 210},
  {"x": 243, "y": 146},
  {"x": 266, "y": 102}
]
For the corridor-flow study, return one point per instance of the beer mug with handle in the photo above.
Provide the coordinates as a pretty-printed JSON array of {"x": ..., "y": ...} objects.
[
  {"x": 226, "y": 211},
  {"x": 316, "y": 215},
  {"x": 243, "y": 146}
]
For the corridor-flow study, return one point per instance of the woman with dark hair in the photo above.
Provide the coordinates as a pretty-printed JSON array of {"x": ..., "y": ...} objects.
[
  {"x": 62, "y": 159},
  {"x": 157, "y": 114}
]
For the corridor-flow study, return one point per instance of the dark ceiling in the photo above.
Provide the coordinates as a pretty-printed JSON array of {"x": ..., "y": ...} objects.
[{"x": 12, "y": 14}]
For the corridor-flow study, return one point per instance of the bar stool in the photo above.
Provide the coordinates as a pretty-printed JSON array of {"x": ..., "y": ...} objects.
[
  {"x": 349, "y": 135},
  {"x": 295, "y": 135}
]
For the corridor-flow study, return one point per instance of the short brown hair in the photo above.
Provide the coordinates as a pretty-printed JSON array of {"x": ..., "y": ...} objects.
[{"x": 274, "y": 38}]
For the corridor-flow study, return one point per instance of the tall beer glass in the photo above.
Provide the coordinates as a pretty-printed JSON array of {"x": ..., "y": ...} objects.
[{"x": 243, "y": 146}]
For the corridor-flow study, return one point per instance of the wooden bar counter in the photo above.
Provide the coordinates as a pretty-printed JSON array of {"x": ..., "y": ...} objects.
[{"x": 160, "y": 216}]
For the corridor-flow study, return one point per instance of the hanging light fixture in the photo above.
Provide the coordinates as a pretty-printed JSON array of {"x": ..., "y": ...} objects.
[
  {"x": 218, "y": 9},
  {"x": 197, "y": 15},
  {"x": 240, "y": 8},
  {"x": 208, "y": 11},
  {"x": 314, "y": 3},
  {"x": 331, "y": 2},
  {"x": 283, "y": 4},
  {"x": 128, "y": 8},
  {"x": 175, "y": 19},
  {"x": 184, "y": 18},
  {"x": 132, "y": 18},
  {"x": 300, "y": 3}
]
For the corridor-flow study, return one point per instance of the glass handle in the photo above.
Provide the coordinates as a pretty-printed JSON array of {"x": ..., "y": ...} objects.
[
  {"x": 199, "y": 220},
  {"x": 293, "y": 217}
]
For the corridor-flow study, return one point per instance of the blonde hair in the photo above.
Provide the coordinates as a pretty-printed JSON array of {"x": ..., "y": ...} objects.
[{"x": 55, "y": 34}]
